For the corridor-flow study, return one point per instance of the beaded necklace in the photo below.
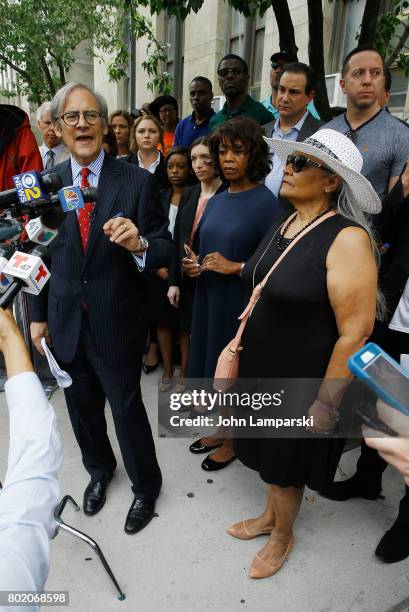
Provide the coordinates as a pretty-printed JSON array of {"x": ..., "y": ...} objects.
[{"x": 282, "y": 242}]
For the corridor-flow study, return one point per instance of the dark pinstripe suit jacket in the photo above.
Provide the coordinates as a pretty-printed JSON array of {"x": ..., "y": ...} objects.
[{"x": 106, "y": 278}]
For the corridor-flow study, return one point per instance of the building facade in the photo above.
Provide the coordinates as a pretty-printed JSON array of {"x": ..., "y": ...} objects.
[{"x": 196, "y": 46}]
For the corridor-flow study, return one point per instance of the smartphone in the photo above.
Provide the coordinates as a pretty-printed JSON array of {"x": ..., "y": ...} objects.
[{"x": 383, "y": 375}]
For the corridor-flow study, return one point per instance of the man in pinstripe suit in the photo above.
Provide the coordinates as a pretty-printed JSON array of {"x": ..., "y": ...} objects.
[{"x": 93, "y": 313}]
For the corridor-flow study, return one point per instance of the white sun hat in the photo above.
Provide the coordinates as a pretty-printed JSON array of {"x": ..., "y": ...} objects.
[{"x": 339, "y": 154}]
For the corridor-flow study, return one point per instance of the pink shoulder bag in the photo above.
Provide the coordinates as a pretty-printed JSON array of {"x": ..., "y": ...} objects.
[{"x": 227, "y": 368}]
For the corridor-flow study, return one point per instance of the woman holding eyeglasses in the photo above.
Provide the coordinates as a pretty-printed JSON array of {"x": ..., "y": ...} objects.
[
  {"x": 229, "y": 232},
  {"x": 315, "y": 310},
  {"x": 167, "y": 111}
]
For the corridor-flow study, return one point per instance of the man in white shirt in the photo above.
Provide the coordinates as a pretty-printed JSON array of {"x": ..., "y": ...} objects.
[
  {"x": 53, "y": 150},
  {"x": 30, "y": 492}
]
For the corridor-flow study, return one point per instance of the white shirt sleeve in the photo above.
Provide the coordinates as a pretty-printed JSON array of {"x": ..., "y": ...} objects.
[
  {"x": 140, "y": 261},
  {"x": 31, "y": 490}
]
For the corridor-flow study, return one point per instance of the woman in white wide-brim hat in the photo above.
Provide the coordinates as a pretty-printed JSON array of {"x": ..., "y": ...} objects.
[{"x": 317, "y": 308}]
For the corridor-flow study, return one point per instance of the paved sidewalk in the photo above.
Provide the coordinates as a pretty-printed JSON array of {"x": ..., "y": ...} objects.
[{"x": 185, "y": 562}]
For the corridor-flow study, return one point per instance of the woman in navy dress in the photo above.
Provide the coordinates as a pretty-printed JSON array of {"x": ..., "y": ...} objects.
[{"x": 231, "y": 228}]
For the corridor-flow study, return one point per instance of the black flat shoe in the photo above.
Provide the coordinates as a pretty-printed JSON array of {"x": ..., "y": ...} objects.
[
  {"x": 352, "y": 487},
  {"x": 95, "y": 496},
  {"x": 394, "y": 546},
  {"x": 139, "y": 515},
  {"x": 149, "y": 368},
  {"x": 197, "y": 447},
  {"x": 210, "y": 465}
]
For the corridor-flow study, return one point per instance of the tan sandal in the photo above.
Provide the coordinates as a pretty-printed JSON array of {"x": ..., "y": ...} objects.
[
  {"x": 240, "y": 531},
  {"x": 262, "y": 569}
]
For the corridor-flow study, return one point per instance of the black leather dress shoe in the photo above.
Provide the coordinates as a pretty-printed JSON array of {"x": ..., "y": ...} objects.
[
  {"x": 394, "y": 546},
  {"x": 210, "y": 465},
  {"x": 95, "y": 496},
  {"x": 197, "y": 447},
  {"x": 148, "y": 369},
  {"x": 352, "y": 487},
  {"x": 139, "y": 515}
]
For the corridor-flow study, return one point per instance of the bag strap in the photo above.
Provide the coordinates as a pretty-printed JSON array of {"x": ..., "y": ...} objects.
[{"x": 235, "y": 343}]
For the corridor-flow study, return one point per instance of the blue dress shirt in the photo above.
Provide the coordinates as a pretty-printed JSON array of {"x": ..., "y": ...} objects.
[
  {"x": 95, "y": 170},
  {"x": 274, "y": 179}
]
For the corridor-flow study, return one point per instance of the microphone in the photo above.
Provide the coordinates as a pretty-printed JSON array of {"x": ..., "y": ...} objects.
[
  {"x": 39, "y": 232},
  {"x": 27, "y": 271},
  {"x": 10, "y": 229},
  {"x": 29, "y": 187},
  {"x": 6, "y": 251},
  {"x": 66, "y": 202}
]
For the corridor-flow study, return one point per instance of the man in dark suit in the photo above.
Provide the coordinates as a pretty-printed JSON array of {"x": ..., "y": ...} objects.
[
  {"x": 296, "y": 90},
  {"x": 94, "y": 311}
]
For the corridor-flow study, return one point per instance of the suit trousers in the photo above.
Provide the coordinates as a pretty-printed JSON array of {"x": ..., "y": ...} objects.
[
  {"x": 370, "y": 465},
  {"x": 93, "y": 383}
]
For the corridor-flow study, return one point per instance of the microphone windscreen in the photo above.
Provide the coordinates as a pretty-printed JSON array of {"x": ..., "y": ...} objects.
[
  {"x": 53, "y": 217},
  {"x": 52, "y": 182}
]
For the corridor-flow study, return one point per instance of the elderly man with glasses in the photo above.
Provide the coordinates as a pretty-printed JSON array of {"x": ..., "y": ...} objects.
[
  {"x": 234, "y": 79},
  {"x": 94, "y": 311}
]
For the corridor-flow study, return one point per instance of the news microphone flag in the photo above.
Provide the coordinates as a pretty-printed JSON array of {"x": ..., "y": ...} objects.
[
  {"x": 71, "y": 198},
  {"x": 29, "y": 188},
  {"x": 40, "y": 233},
  {"x": 28, "y": 268}
]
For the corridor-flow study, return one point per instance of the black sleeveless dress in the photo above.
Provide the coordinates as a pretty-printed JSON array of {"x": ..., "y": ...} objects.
[{"x": 291, "y": 334}]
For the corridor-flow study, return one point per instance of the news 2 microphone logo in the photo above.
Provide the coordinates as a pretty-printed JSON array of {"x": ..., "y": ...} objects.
[
  {"x": 28, "y": 188},
  {"x": 71, "y": 198}
]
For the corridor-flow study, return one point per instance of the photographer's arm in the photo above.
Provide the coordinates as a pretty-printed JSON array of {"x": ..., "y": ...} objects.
[{"x": 31, "y": 490}]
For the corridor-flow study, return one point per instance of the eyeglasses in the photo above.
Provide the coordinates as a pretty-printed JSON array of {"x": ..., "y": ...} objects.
[
  {"x": 72, "y": 117},
  {"x": 276, "y": 65},
  {"x": 224, "y": 72},
  {"x": 300, "y": 162},
  {"x": 352, "y": 135}
]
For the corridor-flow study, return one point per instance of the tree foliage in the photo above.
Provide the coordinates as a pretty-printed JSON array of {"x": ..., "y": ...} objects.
[{"x": 38, "y": 39}]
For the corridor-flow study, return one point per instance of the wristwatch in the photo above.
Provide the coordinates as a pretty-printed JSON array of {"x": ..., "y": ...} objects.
[{"x": 144, "y": 243}]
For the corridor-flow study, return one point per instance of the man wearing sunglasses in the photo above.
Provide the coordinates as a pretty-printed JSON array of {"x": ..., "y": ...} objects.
[
  {"x": 234, "y": 79},
  {"x": 94, "y": 311},
  {"x": 294, "y": 122},
  {"x": 279, "y": 61}
]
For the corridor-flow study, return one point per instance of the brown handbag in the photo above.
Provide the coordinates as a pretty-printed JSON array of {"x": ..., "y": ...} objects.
[{"x": 227, "y": 368}]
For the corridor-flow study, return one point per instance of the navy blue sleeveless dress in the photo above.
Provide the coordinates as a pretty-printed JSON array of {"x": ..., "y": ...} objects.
[
  {"x": 291, "y": 334},
  {"x": 233, "y": 224}
]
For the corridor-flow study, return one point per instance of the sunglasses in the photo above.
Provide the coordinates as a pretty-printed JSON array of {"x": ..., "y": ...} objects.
[
  {"x": 276, "y": 65},
  {"x": 300, "y": 162},
  {"x": 352, "y": 135},
  {"x": 224, "y": 72}
]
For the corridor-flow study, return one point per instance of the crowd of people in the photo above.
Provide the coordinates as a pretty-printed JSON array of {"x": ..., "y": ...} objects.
[{"x": 191, "y": 216}]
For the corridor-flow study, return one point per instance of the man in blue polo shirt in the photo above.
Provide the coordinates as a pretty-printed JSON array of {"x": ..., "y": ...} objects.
[{"x": 196, "y": 125}]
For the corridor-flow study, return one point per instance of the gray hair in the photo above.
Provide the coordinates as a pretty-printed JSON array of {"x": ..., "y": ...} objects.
[
  {"x": 44, "y": 108},
  {"x": 60, "y": 98},
  {"x": 347, "y": 209}
]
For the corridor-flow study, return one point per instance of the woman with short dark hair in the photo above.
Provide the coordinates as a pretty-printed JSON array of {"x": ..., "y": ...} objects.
[{"x": 233, "y": 224}]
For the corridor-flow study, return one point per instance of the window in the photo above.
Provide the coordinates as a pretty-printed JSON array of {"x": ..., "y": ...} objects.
[
  {"x": 175, "y": 37},
  {"x": 246, "y": 39}
]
